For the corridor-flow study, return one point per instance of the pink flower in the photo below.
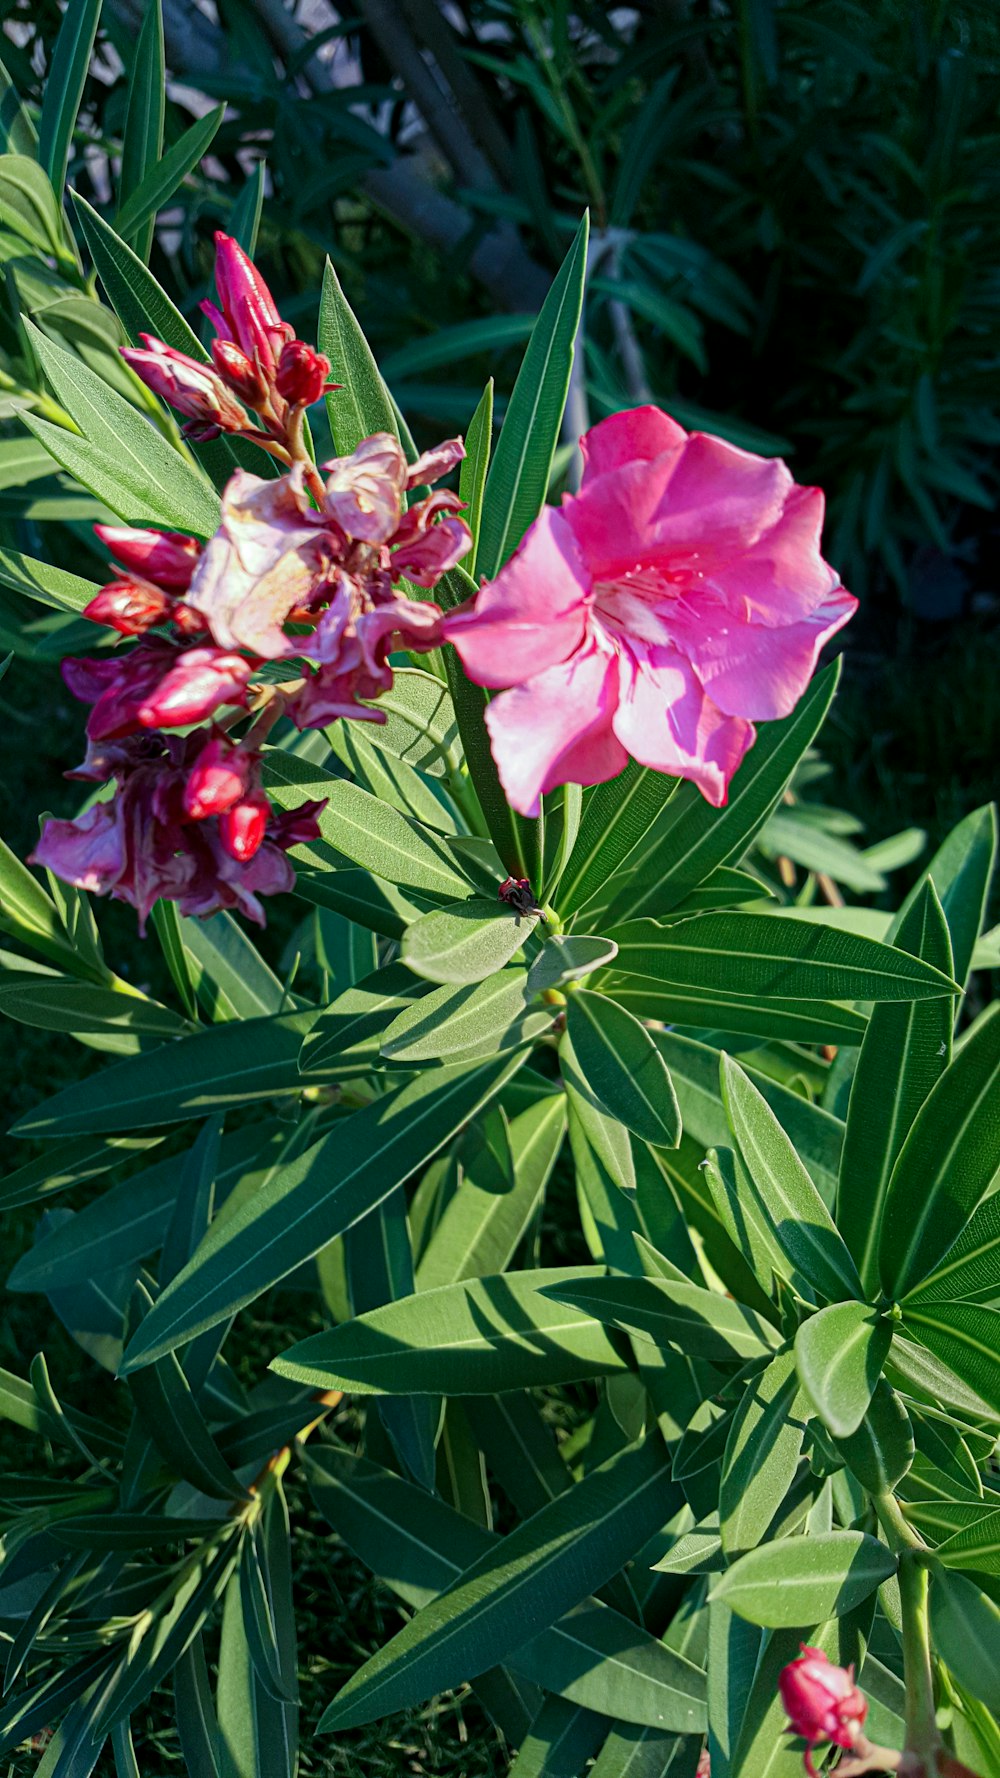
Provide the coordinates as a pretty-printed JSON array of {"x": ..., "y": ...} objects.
[
  {"x": 704, "y": 1764},
  {"x": 193, "y": 389},
  {"x": 89, "y": 852},
  {"x": 822, "y": 1701},
  {"x": 166, "y": 558},
  {"x": 677, "y": 599},
  {"x": 269, "y": 556}
]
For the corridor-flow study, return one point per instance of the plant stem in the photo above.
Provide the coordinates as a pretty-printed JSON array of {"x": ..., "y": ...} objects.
[{"x": 922, "y": 1737}]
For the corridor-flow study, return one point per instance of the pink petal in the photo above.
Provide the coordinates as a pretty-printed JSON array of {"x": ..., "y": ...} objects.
[
  {"x": 88, "y": 852},
  {"x": 759, "y": 670},
  {"x": 556, "y": 729},
  {"x": 641, "y": 432},
  {"x": 666, "y": 720},
  {"x": 783, "y": 576},
  {"x": 532, "y": 615}
]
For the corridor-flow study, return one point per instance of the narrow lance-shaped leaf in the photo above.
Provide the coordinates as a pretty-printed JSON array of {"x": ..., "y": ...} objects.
[
  {"x": 64, "y": 87},
  {"x": 363, "y": 405},
  {"x": 614, "y": 1057},
  {"x": 305, "y": 1204},
  {"x": 472, "y": 475},
  {"x": 761, "y": 1455},
  {"x": 804, "y": 1580},
  {"x": 161, "y": 179},
  {"x": 840, "y": 1353},
  {"x": 142, "y": 141},
  {"x": 905, "y": 1050},
  {"x": 946, "y": 1163}
]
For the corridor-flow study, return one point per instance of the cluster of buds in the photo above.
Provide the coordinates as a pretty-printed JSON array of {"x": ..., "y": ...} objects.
[
  {"x": 257, "y": 364},
  {"x": 823, "y": 1703},
  {"x": 303, "y": 571}
]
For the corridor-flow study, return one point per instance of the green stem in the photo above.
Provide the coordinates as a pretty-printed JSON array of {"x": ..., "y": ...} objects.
[{"x": 922, "y": 1736}]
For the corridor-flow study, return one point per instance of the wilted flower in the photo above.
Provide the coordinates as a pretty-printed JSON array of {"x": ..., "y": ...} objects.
[
  {"x": 822, "y": 1701},
  {"x": 677, "y": 599}
]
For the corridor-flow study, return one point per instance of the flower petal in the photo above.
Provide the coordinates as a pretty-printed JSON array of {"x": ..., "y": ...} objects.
[
  {"x": 640, "y": 432},
  {"x": 761, "y": 670},
  {"x": 666, "y": 720},
  {"x": 556, "y": 729},
  {"x": 532, "y": 615}
]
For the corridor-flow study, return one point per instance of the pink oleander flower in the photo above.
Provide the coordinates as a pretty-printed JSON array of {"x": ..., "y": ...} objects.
[
  {"x": 822, "y": 1701},
  {"x": 677, "y": 599}
]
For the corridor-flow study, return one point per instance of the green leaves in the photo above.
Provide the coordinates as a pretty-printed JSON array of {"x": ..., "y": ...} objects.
[
  {"x": 621, "y": 1066},
  {"x": 760, "y": 955},
  {"x": 539, "y": 1571},
  {"x": 946, "y": 1163},
  {"x": 480, "y": 1337},
  {"x": 467, "y": 942},
  {"x": 966, "y": 1336},
  {"x": 64, "y": 88},
  {"x": 804, "y": 1580},
  {"x": 795, "y": 1221},
  {"x": 164, "y": 175},
  {"x": 519, "y": 474},
  {"x": 459, "y": 1023},
  {"x": 303, "y": 1205},
  {"x": 142, "y": 141},
  {"x": 840, "y": 1353},
  {"x": 965, "y": 1625},
  {"x": 363, "y": 405},
  {"x": 120, "y": 457},
  {"x": 761, "y": 1456},
  {"x": 375, "y": 835}
]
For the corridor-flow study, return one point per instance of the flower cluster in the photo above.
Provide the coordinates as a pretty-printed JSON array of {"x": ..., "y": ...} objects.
[
  {"x": 257, "y": 363},
  {"x": 303, "y": 571},
  {"x": 677, "y": 599},
  {"x": 822, "y": 1701}
]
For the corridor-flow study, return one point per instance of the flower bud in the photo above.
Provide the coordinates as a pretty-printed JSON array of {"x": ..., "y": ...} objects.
[
  {"x": 218, "y": 779},
  {"x": 249, "y": 309},
  {"x": 822, "y": 1700},
  {"x": 242, "y": 828},
  {"x": 199, "y": 680},
  {"x": 240, "y": 372},
  {"x": 168, "y": 559},
  {"x": 302, "y": 374},
  {"x": 193, "y": 389},
  {"x": 129, "y": 606}
]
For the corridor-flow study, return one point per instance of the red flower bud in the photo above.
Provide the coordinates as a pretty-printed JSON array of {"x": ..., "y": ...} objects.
[
  {"x": 195, "y": 684},
  {"x": 249, "y": 309},
  {"x": 129, "y": 607},
  {"x": 302, "y": 374},
  {"x": 240, "y": 372},
  {"x": 822, "y": 1700},
  {"x": 242, "y": 828},
  {"x": 193, "y": 389},
  {"x": 217, "y": 780},
  {"x": 168, "y": 559}
]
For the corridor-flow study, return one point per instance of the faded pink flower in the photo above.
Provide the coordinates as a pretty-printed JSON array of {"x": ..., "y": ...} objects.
[
  {"x": 677, "y": 599},
  {"x": 822, "y": 1701}
]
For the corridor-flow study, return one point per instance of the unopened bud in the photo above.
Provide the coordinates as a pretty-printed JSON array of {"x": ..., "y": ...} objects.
[
  {"x": 129, "y": 607},
  {"x": 193, "y": 389},
  {"x": 240, "y": 372},
  {"x": 822, "y": 1700},
  {"x": 242, "y": 828},
  {"x": 166, "y": 558},
  {"x": 200, "y": 680},
  {"x": 302, "y": 374},
  {"x": 217, "y": 780}
]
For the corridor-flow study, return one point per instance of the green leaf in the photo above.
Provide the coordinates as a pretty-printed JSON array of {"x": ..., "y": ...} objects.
[
  {"x": 696, "y": 838},
  {"x": 158, "y": 184},
  {"x": 256, "y": 1732},
  {"x": 881, "y": 1450},
  {"x": 64, "y": 87},
  {"x": 58, "y": 1003},
  {"x": 568, "y": 957},
  {"x": 840, "y": 1353},
  {"x": 257, "y": 1600},
  {"x": 68, "y": 1164},
  {"x": 946, "y": 1164},
  {"x": 560, "y": 1739},
  {"x": 481, "y": 1227},
  {"x": 476, "y": 462},
  {"x": 618, "y": 816},
  {"x": 363, "y": 405},
  {"x": 757, "y": 954},
  {"x": 966, "y": 1337},
  {"x": 794, "y": 1216},
  {"x": 142, "y": 140},
  {"x": 975, "y": 1546},
  {"x": 302, "y": 1206},
  {"x": 120, "y": 457},
  {"x": 522, "y": 1586},
  {"x": 358, "y": 1018},
  {"x": 927, "y": 1379},
  {"x": 477, "y": 1337},
  {"x": 794, "y": 1021},
  {"x": 17, "y": 131},
  {"x": 702, "y": 1323},
  {"x": 960, "y": 870},
  {"x": 197, "y": 1727},
  {"x": 965, "y": 1625},
  {"x": 226, "y": 970},
  {"x": 376, "y": 836},
  {"x": 466, "y": 942},
  {"x": 519, "y": 474},
  {"x": 906, "y": 1049},
  {"x": 209, "y": 1071},
  {"x": 419, "y": 727},
  {"x": 171, "y": 1418},
  {"x": 970, "y": 1270},
  {"x": 379, "y": 1269},
  {"x": 458, "y": 1023},
  {"x": 622, "y": 1067},
  {"x": 420, "y": 1547},
  {"x": 761, "y": 1455},
  {"x": 28, "y": 205},
  {"x": 805, "y": 1580}
]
